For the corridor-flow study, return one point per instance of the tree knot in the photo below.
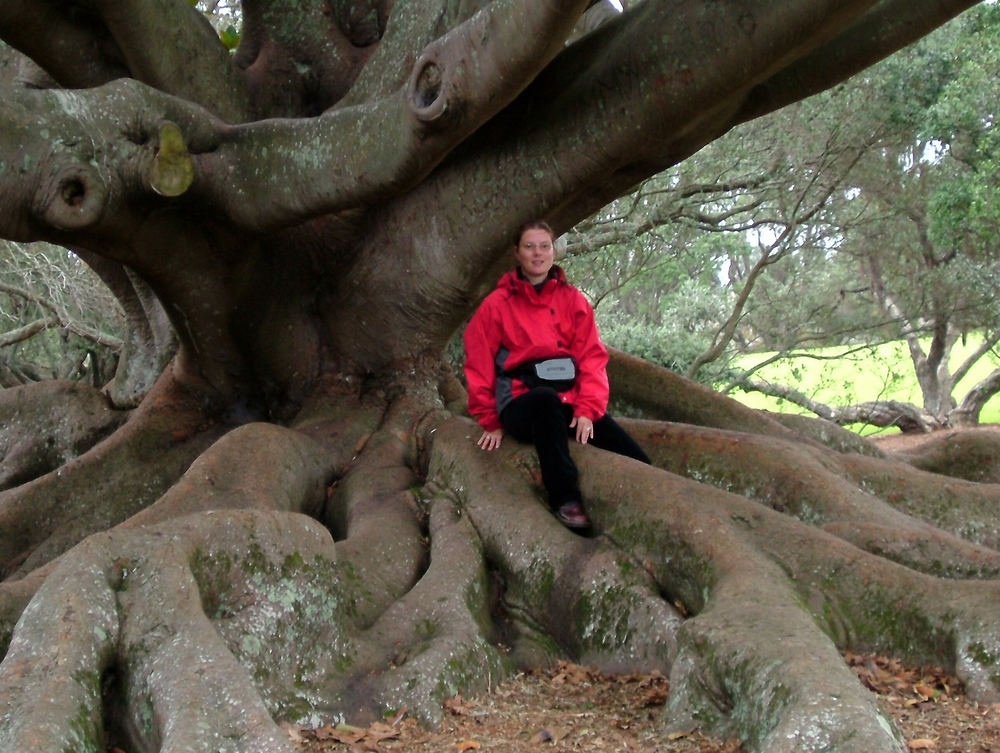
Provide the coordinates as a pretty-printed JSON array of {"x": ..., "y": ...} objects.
[
  {"x": 172, "y": 171},
  {"x": 426, "y": 85},
  {"x": 73, "y": 198}
]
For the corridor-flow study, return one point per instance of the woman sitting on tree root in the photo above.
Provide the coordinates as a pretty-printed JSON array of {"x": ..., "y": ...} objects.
[{"x": 536, "y": 368}]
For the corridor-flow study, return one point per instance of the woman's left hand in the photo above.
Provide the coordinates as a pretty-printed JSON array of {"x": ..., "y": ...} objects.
[{"x": 584, "y": 428}]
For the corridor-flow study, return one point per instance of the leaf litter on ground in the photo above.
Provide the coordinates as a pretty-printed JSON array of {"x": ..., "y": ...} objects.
[{"x": 572, "y": 707}]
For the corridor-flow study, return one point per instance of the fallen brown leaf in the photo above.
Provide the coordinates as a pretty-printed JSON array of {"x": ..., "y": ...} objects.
[
  {"x": 655, "y": 696},
  {"x": 570, "y": 673},
  {"x": 457, "y": 706},
  {"x": 601, "y": 713},
  {"x": 379, "y": 731},
  {"x": 925, "y": 690},
  {"x": 542, "y": 736},
  {"x": 341, "y": 733},
  {"x": 294, "y": 732},
  {"x": 558, "y": 733}
]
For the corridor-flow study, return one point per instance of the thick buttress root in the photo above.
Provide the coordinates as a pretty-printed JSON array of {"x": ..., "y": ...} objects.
[
  {"x": 971, "y": 455},
  {"x": 445, "y": 570},
  {"x": 933, "y": 523},
  {"x": 772, "y": 600},
  {"x": 46, "y": 424},
  {"x": 107, "y": 484}
]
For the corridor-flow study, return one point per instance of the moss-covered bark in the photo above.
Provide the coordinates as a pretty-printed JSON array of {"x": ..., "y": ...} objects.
[
  {"x": 47, "y": 424},
  {"x": 291, "y": 525},
  {"x": 739, "y": 564}
]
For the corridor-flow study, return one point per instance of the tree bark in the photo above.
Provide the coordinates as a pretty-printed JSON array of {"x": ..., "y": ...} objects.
[
  {"x": 294, "y": 524},
  {"x": 47, "y": 424}
]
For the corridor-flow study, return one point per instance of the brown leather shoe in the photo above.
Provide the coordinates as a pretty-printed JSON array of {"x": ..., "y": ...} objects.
[{"x": 571, "y": 515}]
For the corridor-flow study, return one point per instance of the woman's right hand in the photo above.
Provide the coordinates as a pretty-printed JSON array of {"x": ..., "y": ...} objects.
[{"x": 490, "y": 439}]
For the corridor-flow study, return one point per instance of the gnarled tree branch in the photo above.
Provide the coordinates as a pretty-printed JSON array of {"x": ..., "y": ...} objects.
[{"x": 353, "y": 156}]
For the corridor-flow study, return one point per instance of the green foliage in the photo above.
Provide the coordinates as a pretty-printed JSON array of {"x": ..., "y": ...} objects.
[
  {"x": 226, "y": 17},
  {"x": 966, "y": 208},
  {"x": 80, "y": 322},
  {"x": 674, "y": 342},
  {"x": 230, "y": 37},
  {"x": 851, "y": 219},
  {"x": 838, "y": 376}
]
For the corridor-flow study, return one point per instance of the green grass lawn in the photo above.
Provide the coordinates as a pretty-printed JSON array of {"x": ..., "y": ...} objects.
[{"x": 882, "y": 373}]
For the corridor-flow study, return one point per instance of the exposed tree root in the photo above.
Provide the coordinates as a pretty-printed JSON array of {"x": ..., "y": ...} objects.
[
  {"x": 755, "y": 660},
  {"x": 257, "y": 466},
  {"x": 437, "y": 640},
  {"x": 50, "y": 680},
  {"x": 141, "y": 629},
  {"x": 563, "y": 593},
  {"x": 967, "y": 509},
  {"x": 971, "y": 454},
  {"x": 182, "y": 686},
  {"x": 662, "y": 393},
  {"x": 867, "y": 501},
  {"x": 373, "y": 512},
  {"x": 107, "y": 484},
  {"x": 220, "y": 608},
  {"x": 201, "y": 604},
  {"x": 827, "y": 433},
  {"x": 46, "y": 424},
  {"x": 764, "y": 582}
]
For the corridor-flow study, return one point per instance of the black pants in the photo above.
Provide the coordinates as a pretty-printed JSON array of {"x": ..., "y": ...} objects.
[{"x": 541, "y": 418}]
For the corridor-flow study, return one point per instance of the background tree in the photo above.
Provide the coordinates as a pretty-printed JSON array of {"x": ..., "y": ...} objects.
[
  {"x": 57, "y": 321},
  {"x": 851, "y": 231},
  {"x": 931, "y": 289},
  {"x": 295, "y": 523}
]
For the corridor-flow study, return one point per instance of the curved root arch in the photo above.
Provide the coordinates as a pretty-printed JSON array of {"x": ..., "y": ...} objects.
[
  {"x": 772, "y": 598},
  {"x": 444, "y": 571}
]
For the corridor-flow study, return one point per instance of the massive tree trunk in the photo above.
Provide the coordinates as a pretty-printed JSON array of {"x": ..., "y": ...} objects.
[{"x": 295, "y": 523}]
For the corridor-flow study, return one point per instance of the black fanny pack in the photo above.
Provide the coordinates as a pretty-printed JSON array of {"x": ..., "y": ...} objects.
[{"x": 557, "y": 373}]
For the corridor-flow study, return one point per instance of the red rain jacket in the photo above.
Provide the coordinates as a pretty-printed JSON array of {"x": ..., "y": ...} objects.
[{"x": 516, "y": 325}]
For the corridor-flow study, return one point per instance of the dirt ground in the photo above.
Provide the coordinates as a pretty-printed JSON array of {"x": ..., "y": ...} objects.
[{"x": 573, "y": 709}]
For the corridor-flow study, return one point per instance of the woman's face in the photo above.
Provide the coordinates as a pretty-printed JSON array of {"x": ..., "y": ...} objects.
[{"x": 535, "y": 254}]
